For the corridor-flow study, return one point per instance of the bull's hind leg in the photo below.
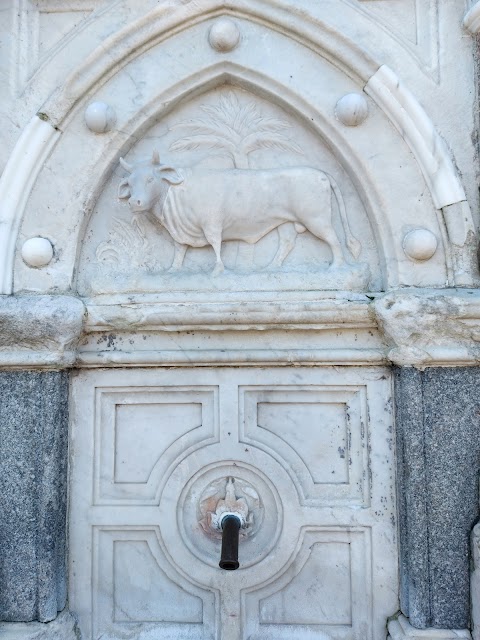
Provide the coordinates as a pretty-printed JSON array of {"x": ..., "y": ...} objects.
[
  {"x": 287, "y": 234},
  {"x": 328, "y": 235},
  {"x": 215, "y": 240}
]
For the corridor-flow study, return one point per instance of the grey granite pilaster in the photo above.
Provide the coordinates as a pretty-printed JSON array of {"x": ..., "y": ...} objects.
[
  {"x": 438, "y": 445},
  {"x": 33, "y": 469}
]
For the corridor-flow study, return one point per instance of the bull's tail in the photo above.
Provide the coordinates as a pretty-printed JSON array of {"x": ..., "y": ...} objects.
[{"x": 353, "y": 244}]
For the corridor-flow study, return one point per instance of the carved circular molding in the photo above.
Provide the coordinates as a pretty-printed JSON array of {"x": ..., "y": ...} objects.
[
  {"x": 37, "y": 252},
  {"x": 99, "y": 117},
  {"x": 199, "y": 501},
  {"x": 224, "y": 35},
  {"x": 420, "y": 244},
  {"x": 352, "y": 109}
]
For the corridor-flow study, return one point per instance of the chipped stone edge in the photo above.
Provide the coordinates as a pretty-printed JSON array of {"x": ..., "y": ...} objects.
[
  {"x": 64, "y": 627},
  {"x": 430, "y": 327},
  {"x": 418, "y": 130},
  {"x": 40, "y": 331},
  {"x": 471, "y": 21}
]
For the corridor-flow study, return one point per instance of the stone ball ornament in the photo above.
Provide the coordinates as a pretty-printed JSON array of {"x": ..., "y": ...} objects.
[
  {"x": 37, "y": 252},
  {"x": 100, "y": 117},
  {"x": 224, "y": 35},
  {"x": 420, "y": 244},
  {"x": 352, "y": 109}
]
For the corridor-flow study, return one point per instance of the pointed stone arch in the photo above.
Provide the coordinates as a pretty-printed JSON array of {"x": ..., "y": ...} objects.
[{"x": 62, "y": 111}]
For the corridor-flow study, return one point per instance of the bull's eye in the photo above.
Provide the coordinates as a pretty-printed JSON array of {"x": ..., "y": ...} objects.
[{"x": 149, "y": 180}]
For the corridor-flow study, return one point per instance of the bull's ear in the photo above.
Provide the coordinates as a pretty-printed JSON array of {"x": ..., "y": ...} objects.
[
  {"x": 124, "y": 189},
  {"x": 171, "y": 175}
]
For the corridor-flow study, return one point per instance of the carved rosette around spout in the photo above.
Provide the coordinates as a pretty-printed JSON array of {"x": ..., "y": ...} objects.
[{"x": 235, "y": 498}]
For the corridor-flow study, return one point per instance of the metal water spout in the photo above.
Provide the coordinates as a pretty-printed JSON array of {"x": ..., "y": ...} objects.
[
  {"x": 230, "y": 516},
  {"x": 230, "y": 537}
]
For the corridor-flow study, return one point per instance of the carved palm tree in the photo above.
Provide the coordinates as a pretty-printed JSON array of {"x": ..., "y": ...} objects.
[{"x": 234, "y": 129}]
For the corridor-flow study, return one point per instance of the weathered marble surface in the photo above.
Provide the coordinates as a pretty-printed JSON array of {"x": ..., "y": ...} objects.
[
  {"x": 380, "y": 210},
  {"x": 40, "y": 330},
  {"x": 310, "y": 447},
  {"x": 438, "y": 448},
  {"x": 424, "y": 327},
  {"x": 407, "y": 175},
  {"x": 33, "y": 494}
]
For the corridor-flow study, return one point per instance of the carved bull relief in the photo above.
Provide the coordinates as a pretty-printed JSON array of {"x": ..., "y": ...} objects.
[
  {"x": 247, "y": 188},
  {"x": 200, "y": 207}
]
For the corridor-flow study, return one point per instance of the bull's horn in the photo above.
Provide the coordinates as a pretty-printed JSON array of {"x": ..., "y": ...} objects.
[
  {"x": 126, "y": 166},
  {"x": 155, "y": 157}
]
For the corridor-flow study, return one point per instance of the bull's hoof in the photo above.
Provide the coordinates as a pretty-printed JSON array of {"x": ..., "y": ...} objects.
[
  {"x": 273, "y": 266},
  {"x": 219, "y": 268}
]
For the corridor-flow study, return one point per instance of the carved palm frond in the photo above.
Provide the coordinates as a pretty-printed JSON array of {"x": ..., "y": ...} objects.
[
  {"x": 273, "y": 124},
  {"x": 190, "y": 143},
  {"x": 269, "y": 140},
  {"x": 198, "y": 126},
  {"x": 238, "y": 129},
  {"x": 225, "y": 110},
  {"x": 247, "y": 119}
]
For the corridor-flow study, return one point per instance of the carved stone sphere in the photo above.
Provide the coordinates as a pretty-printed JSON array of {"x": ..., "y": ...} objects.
[
  {"x": 99, "y": 117},
  {"x": 420, "y": 244},
  {"x": 224, "y": 35},
  {"x": 352, "y": 109},
  {"x": 37, "y": 252}
]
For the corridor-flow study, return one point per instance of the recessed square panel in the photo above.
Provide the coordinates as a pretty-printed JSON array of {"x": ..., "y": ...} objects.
[
  {"x": 320, "y": 432},
  {"x": 134, "y": 587},
  {"x": 317, "y": 431},
  {"x": 142, "y": 432},
  {"x": 325, "y": 591}
]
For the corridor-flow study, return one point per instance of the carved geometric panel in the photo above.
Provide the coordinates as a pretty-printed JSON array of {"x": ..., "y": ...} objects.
[
  {"x": 143, "y": 431},
  {"x": 143, "y": 592},
  {"x": 135, "y": 585},
  {"x": 306, "y": 451},
  {"x": 412, "y": 23},
  {"x": 42, "y": 27},
  {"x": 325, "y": 590},
  {"x": 320, "y": 432}
]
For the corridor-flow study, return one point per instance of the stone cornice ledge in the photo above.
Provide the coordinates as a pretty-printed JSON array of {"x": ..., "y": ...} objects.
[
  {"x": 255, "y": 310},
  {"x": 430, "y": 327},
  {"x": 418, "y": 327},
  {"x": 40, "y": 331}
]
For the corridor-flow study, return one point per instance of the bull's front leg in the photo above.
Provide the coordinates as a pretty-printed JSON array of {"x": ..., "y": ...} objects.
[{"x": 178, "y": 256}]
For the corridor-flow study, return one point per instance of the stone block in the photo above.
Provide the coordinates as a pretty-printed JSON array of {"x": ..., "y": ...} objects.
[
  {"x": 33, "y": 475},
  {"x": 475, "y": 583},
  {"x": 438, "y": 444},
  {"x": 400, "y": 629}
]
